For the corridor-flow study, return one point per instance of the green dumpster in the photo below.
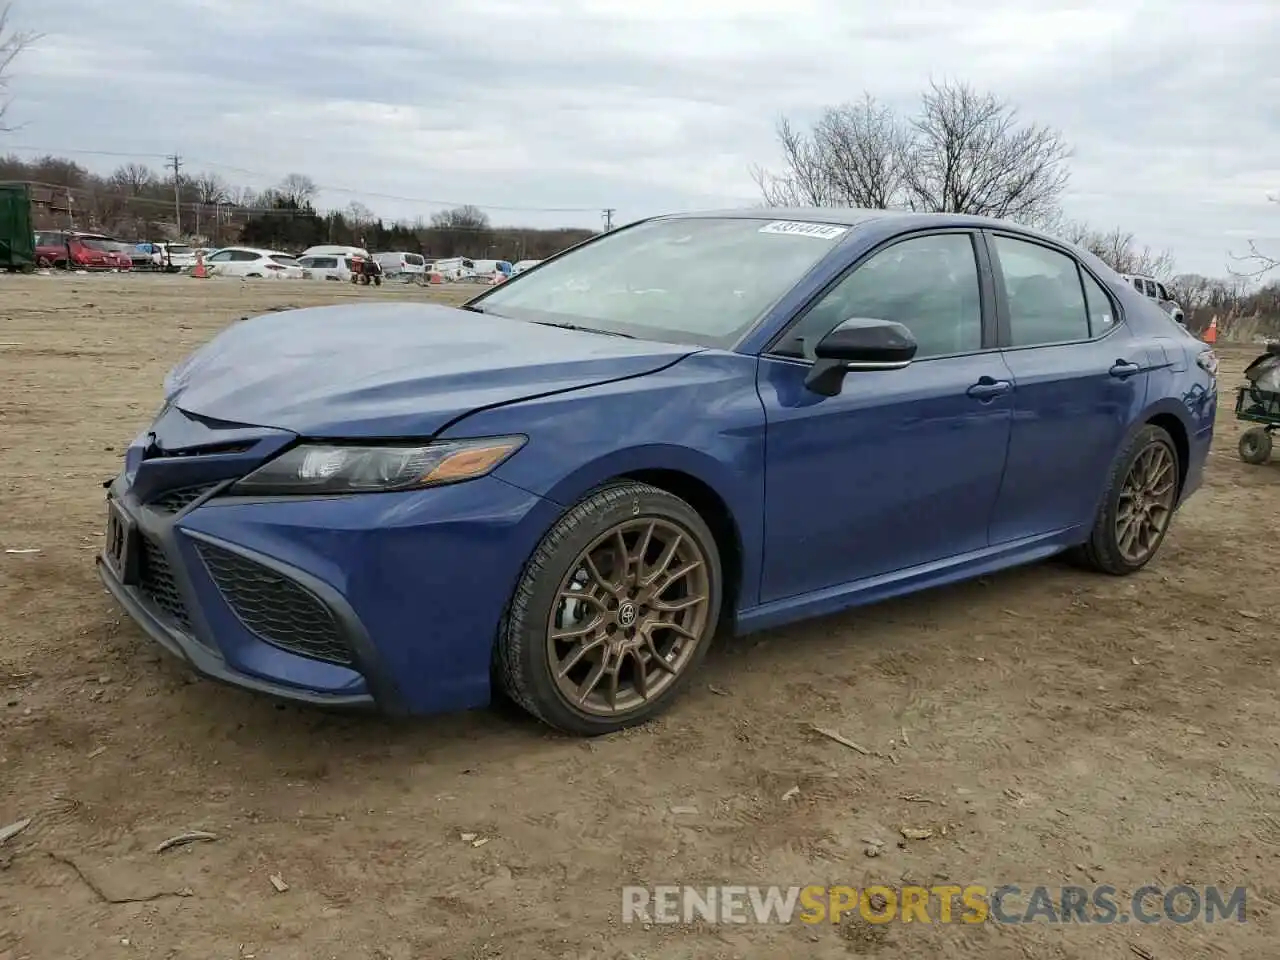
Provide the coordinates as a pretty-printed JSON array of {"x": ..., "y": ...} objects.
[{"x": 17, "y": 239}]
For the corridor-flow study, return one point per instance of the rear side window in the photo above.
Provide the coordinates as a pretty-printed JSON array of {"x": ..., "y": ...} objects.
[
  {"x": 1102, "y": 315},
  {"x": 413, "y": 259},
  {"x": 244, "y": 256},
  {"x": 1043, "y": 290}
]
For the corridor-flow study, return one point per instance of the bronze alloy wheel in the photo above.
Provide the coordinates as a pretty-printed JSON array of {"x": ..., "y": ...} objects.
[
  {"x": 628, "y": 616},
  {"x": 1146, "y": 503}
]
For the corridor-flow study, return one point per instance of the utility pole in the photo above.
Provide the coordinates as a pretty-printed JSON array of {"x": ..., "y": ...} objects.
[
  {"x": 608, "y": 218},
  {"x": 176, "y": 160}
]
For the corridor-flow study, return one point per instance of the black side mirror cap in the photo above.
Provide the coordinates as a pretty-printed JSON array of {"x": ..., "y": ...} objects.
[{"x": 860, "y": 343}]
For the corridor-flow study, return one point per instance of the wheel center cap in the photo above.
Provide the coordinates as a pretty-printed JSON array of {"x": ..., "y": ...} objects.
[{"x": 627, "y": 614}]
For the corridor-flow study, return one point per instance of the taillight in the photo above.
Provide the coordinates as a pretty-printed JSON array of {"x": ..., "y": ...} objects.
[{"x": 1207, "y": 361}]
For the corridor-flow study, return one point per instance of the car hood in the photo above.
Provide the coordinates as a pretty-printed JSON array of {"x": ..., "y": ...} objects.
[{"x": 393, "y": 370}]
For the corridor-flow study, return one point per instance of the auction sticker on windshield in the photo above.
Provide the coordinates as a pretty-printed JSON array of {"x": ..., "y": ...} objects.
[{"x": 822, "y": 231}]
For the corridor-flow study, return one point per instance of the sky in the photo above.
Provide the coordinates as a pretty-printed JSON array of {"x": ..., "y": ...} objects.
[{"x": 545, "y": 112}]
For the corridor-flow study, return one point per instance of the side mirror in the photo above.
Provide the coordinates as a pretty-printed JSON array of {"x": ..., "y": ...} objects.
[{"x": 859, "y": 343}]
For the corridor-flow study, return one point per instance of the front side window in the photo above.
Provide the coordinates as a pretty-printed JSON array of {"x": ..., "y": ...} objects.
[
  {"x": 928, "y": 284},
  {"x": 1044, "y": 293},
  {"x": 222, "y": 256},
  {"x": 698, "y": 280}
]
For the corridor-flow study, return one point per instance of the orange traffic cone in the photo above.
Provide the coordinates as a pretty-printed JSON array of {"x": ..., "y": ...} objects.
[
  {"x": 199, "y": 271},
  {"x": 1211, "y": 335}
]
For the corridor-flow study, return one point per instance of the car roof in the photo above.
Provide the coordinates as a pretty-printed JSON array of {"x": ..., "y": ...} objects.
[{"x": 855, "y": 216}]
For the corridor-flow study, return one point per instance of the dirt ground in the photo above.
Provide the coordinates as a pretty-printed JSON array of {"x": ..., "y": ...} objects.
[{"x": 1064, "y": 728}]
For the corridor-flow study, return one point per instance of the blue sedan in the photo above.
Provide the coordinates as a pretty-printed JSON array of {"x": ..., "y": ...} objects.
[{"x": 562, "y": 489}]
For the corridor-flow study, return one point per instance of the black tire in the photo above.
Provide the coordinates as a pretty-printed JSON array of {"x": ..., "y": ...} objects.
[
  {"x": 1255, "y": 445},
  {"x": 1102, "y": 551},
  {"x": 521, "y": 661}
]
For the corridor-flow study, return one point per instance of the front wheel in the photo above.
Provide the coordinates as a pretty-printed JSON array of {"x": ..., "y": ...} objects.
[
  {"x": 1137, "y": 507},
  {"x": 613, "y": 612},
  {"x": 1255, "y": 445}
]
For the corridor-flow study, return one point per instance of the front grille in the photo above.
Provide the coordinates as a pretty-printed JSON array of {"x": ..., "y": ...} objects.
[
  {"x": 275, "y": 608},
  {"x": 174, "y": 501},
  {"x": 157, "y": 584}
]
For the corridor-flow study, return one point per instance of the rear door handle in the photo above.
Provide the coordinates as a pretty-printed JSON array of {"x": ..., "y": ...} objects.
[
  {"x": 1123, "y": 369},
  {"x": 988, "y": 388}
]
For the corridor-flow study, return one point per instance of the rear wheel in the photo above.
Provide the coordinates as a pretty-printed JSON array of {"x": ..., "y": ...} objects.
[
  {"x": 613, "y": 612},
  {"x": 1255, "y": 445},
  {"x": 1137, "y": 507}
]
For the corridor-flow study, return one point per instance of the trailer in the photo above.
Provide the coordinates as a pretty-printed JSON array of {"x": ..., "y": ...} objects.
[{"x": 17, "y": 239}]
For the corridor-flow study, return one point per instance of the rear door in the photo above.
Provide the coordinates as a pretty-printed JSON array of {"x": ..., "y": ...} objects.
[{"x": 1081, "y": 380}]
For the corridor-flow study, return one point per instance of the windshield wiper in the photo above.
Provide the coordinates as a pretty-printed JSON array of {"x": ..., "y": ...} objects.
[{"x": 574, "y": 326}]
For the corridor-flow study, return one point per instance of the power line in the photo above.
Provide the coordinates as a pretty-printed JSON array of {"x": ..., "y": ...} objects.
[
  {"x": 228, "y": 209},
  {"x": 327, "y": 188}
]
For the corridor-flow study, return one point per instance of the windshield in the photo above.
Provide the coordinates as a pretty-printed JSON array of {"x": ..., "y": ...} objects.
[
  {"x": 689, "y": 280},
  {"x": 284, "y": 259}
]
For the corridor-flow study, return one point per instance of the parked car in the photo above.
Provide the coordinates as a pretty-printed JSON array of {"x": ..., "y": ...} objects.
[
  {"x": 1153, "y": 289},
  {"x": 249, "y": 262},
  {"x": 174, "y": 257},
  {"x": 402, "y": 264},
  {"x": 397, "y": 504},
  {"x": 522, "y": 265},
  {"x": 327, "y": 267},
  {"x": 73, "y": 250}
]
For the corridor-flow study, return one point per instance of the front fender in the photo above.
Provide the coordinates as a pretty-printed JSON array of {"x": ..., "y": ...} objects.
[{"x": 701, "y": 418}]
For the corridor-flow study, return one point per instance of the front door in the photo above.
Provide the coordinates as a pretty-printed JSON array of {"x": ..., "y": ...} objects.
[{"x": 901, "y": 468}]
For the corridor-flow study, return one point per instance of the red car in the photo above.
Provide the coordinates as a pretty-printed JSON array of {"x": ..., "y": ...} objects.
[{"x": 71, "y": 250}]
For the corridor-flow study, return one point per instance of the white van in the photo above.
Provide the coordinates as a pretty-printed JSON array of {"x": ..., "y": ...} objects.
[
  {"x": 410, "y": 266},
  {"x": 454, "y": 268},
  {"x": 330, "y": 250}
]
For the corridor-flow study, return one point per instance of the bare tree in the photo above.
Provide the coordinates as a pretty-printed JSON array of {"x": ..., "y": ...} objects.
[
  {"x": 12, "y": 43},
  {"x": 851, "y": 158},
  {"x": 210, "y": 189},
  {"x": 297, "y": 190},
  {"x": 359, "y": 215},
  {"x": 460, "y": 230},
  {"x": 964, "y": 152},
  {"x": 1258, "y": 263},
  {"x": 460, "y": 218},
  {"x": 1117, "y": 249},
  {"x": 133, "y": 178},
  {"x": 969, "y": 153}
]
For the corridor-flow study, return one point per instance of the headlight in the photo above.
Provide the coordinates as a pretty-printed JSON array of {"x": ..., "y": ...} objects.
[{"x": 339, "y": 468}]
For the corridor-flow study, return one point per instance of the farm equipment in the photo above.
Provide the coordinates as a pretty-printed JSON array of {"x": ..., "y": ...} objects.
[
  {"x": 1258, "y": 403},
  {"x": 17, "y": 240},
  {"x": 366, "y": 271}
]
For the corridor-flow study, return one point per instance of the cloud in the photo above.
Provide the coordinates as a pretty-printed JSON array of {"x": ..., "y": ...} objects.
[{"x": 547, "y": 112}]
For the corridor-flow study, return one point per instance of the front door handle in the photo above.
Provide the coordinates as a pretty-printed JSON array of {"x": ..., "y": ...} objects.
[
  {"x": 988, "y": 388},
  {"x": 1123, "y": 369}
]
